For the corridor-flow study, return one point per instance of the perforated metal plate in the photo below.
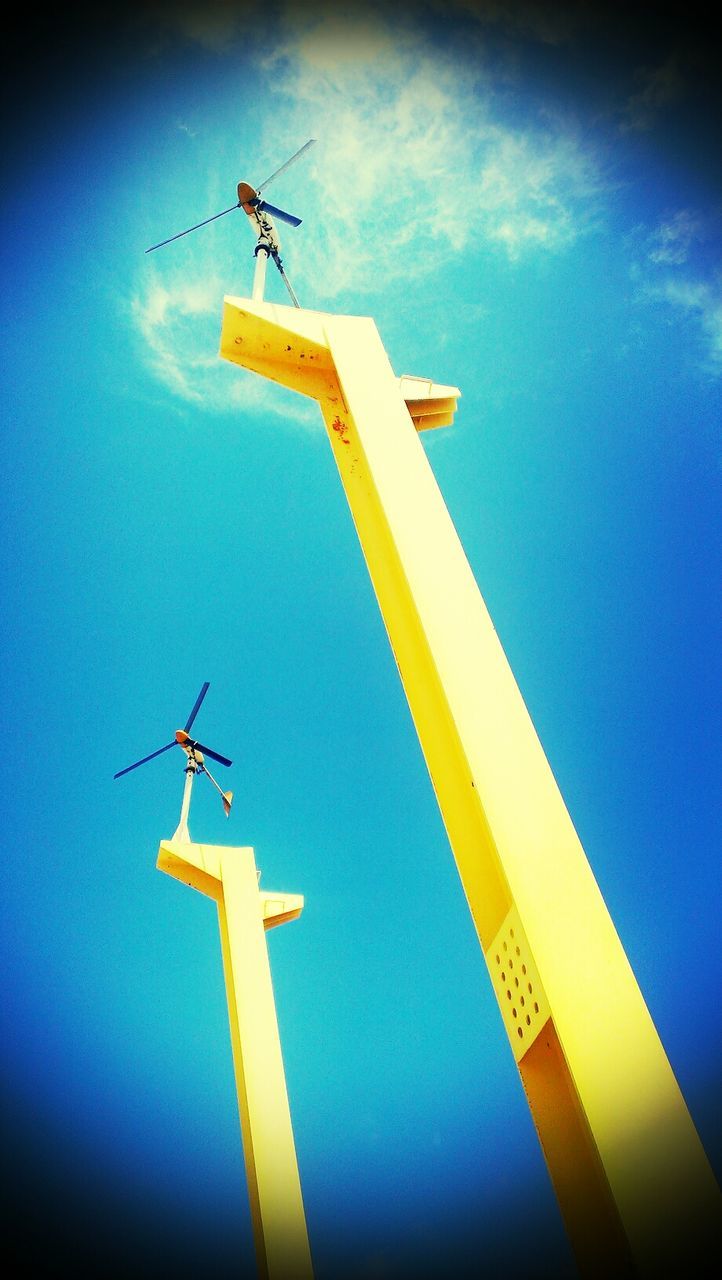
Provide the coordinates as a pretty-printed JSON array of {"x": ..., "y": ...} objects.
[{"x": 517, "y": 984}]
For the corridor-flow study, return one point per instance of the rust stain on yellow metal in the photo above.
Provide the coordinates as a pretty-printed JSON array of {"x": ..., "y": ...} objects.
[
  {"x": 245, "y": 911},
  {"x": 633, "y": 1182}
]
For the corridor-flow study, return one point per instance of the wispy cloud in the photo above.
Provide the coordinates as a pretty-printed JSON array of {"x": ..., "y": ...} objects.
[
  {"x": 673, "y": 239},
  {"x": 702, "y": 300},
  {"x": 672, "y": 270},
  {"x": 659, "y": 87},
  {"x": 161, "y": 312},
  {"x": 178, "y": 323},
  {"x": 416, "y": 160},
  {"x": 414, "y": 167}
]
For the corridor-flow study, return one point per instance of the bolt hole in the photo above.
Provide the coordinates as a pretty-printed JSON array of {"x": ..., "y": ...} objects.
[
  {"x": 497, "y": 960},
  {"x": 508, "y": 994},
  {"x": 513, "y": 1013},
  {"x": 528, "y": 1020},
  {"x": 505, "y": 947},
  {"x": 529, "y": 987},
  {"x": 520, "y": 1033},
  {"x": 503, "y": 976},
  {"x": 523, "y": 968},
  {"x": 536, "y": 1007},
  {"x": 516, "y": 982},
  {"x": 518, "y": 952},
  {"x": 521, "y": 1002},
  {"x": 511, "y": 964},
  {"x": 511, "y": 933}
]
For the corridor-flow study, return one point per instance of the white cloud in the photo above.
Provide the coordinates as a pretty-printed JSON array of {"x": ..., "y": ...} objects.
[
  {"x": 673, "y": 272},
  {"x": 660, "y": 86},
  {"x": 173, "y": 353},
  {"x": 179, "y": 324},
  {"x": 697, "y": 299},
  {"x": 671, "y": 241},
  {"x": 414, "y": 166},
  {"x": 413, "y": 169},
  {"x": 703, "y": 300}
]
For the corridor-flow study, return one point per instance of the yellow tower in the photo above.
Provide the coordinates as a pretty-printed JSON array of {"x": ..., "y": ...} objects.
[
  {"x": 229, "y": 876},
  {"x": 635, "y": 1189},
  {"x": 245, "y": 911}
]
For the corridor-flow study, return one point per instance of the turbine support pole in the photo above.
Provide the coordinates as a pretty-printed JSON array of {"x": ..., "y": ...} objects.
[
  {"x": 262, "y": 253},
  {"x": 181, "y": 831},
  {"x": 635, "y": 1188},
  {"x": 245, "y": 913}
]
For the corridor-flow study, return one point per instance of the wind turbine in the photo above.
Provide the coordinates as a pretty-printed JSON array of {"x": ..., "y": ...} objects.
[
  {"x": 259, "y": 212},
  {"x": 245, "y": 912},
  {"x": 195, "y": 752}
]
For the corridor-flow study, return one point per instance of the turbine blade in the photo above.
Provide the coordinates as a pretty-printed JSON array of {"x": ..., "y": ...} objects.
[
  {"x": 196, "y": 708},
  {"x": 285, "y": 166},
  {"x": 145, "y": 759},
  {"x": 290, "y": 218},
  {"x": 195, "y": 228},
  {"x": 213, "y": 754}
]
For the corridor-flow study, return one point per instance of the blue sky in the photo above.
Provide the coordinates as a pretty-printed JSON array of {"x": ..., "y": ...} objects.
[{"x": 527, "y": 201}]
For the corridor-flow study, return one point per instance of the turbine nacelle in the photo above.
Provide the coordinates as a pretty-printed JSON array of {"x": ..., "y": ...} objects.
[{"x": 259, "y": 217}]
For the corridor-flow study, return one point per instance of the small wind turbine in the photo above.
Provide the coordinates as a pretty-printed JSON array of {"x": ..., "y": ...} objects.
[
  {"x": 195, "y": 752},
  {"x": 259, "y": 212}
]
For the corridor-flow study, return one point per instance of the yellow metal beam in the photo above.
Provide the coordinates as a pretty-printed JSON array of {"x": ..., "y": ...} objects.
[
  {"x": 633, "y": 1182},
  {"x": 244, "y": 911}
]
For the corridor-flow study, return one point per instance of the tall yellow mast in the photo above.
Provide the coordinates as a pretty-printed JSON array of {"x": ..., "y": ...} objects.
[
  {"x": 245, "y": 911},
  {"x": 635, "y": 1189}
]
